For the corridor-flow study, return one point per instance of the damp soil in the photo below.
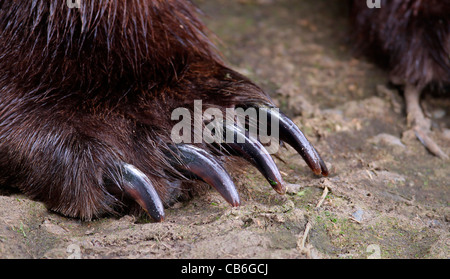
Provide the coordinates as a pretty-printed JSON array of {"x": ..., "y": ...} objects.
[{"x": 387, "y": 196}]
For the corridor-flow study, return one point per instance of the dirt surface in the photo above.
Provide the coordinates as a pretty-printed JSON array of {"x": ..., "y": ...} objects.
[{"x": 387, "y": 196}]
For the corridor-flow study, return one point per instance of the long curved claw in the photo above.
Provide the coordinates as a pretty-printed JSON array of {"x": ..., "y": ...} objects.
[
  {"x": 418, "y": 122},
  {"x": 137, "y": 185},
  {"x": 429, "y": 143},
  {"x": 292, "y": 135},
  {"x": 205, "y": 167},
  {"x": 254, "y": 152}
]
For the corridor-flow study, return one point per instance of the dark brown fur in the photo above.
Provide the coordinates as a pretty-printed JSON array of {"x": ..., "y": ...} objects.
[
  {"x": 83, "y": 89},
  {"x": 410, "y": 37}
]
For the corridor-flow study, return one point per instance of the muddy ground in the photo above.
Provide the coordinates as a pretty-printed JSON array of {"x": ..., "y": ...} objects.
[{"x": 387, "y": 196}]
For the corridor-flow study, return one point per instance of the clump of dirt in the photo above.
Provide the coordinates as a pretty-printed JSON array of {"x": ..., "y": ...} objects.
[{"x": 386, "y": 197}]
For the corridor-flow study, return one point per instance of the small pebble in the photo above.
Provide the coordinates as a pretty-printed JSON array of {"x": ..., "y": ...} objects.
[
  {"x": 53, "y": 228},
  {"x": 438, "y": 113},
  {"x": 446, "y": 133},
  {"x": 387, "y": 139},
  {"x": 434, "y": 223},
  {"x": 358, "y": 214},
  {"x": 292, "y": 188}
]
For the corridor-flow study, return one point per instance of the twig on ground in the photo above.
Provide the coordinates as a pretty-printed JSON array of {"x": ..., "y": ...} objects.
[
  {"x": 302, "y": 238},
  {"x": 322, "y": 198},
  {"x": 301, "y": 245}
]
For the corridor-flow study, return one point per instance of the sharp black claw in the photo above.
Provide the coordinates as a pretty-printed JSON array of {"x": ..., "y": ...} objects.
[
  {"x": 254, "y": 152},
  {"x": 137, "y": 185},
  {"x": 291, "y": 134},
  {"x": 204, "y": 166}
]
